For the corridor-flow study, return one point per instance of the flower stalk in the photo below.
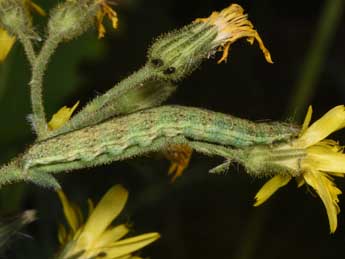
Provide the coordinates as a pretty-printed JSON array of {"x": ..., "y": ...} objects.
[{"x": 36, "y": 85}]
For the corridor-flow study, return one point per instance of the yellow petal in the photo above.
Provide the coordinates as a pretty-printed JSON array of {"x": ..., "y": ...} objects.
[
  {"x": 71, "y": 214},
  {"x": 105, "y": 10},
  {"x": 62, "y": 234},
  {"x": 100, "y": 26},
  {"x": 300, "y": 181},
  {"x": 332, "y": 121},
  {"x": 307, "y": 120},
  {"x": 232, "y": 24},
  {"x": 328, "y": 193},
  {"x": 6, "y": 43},
  {"x": 105, "y": 212},
  {"x": 91, "y": 206},
  {"x": 34, "y": 7},
  {"x": 130, "y": 245},
  {"x": 61, "y": 117},
  {"x": 111, "y": 235},
  {"x": 112, "y": 15},
  {"x": 324, "y": 158},
  {"x": 270, "y": 187}
]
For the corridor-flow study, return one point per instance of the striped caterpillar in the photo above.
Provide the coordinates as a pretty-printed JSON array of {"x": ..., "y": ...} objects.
[{"x": 145, "y": 131}]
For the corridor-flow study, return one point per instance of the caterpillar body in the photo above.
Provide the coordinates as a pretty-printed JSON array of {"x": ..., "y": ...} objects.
[{"x": 149, "y": 130}]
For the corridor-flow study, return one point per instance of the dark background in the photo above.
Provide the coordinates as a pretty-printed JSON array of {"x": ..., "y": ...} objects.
[{"x": 201, "y": 215}]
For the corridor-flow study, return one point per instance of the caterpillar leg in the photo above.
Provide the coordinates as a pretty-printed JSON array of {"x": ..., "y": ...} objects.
[{"x": 221, "y": 168}]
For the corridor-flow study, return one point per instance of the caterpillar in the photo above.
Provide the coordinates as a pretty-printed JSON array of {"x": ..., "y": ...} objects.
[{"x": 149, "y": 130}]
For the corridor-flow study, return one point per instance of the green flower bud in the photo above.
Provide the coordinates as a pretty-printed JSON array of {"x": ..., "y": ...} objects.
[
  {"x": 72, "y": 18},
  {"x": 178, "y": 53},
  {"x": 14, "y": 17}
]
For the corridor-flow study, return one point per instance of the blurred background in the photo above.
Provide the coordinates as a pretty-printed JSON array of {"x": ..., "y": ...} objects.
[{"x": 200, "y": 215}]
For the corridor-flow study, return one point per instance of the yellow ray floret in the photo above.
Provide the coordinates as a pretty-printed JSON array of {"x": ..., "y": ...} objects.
[
  {"x": 95, "y": 237},
  {"x": 270, "y": 187},
  {"x": 61, "y": 117},
  {"x": 232, "y": 24},
  {"x": 323, "y": 160}
]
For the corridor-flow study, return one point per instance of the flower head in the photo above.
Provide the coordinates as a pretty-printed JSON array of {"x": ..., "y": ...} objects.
[
  {"x": 95, "y": 237},
  {"x": 232, "y": 24},
  {"x": 316, "y": 162}
]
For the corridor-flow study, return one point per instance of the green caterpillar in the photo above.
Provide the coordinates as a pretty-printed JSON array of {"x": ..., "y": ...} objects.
[{"x": 145, "y": 131}]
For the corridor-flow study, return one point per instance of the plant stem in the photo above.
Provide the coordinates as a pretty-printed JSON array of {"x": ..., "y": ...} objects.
[
  {"x": 28, "y": 48},
  {"x": 36, "y": 84}
]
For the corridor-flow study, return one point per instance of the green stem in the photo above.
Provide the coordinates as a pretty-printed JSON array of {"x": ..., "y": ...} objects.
[
  {"x": 310, "y": 71},
  {"x": 36, "y": 84},
  {"x": 28, "y": 48},
  {"x": 10, "y": 173}
]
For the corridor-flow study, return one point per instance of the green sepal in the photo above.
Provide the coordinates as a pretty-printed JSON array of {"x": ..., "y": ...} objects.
[{"x": 44, "y": 180}]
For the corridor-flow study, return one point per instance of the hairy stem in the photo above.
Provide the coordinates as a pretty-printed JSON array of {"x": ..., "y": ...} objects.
[
  {"x": 10, "y": 173},
  {"x": 36, "y": 84},
  {"x": 28, "y": 48}
]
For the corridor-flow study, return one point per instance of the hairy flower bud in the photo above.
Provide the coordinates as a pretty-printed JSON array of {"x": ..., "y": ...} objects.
[
  {"x": 178, "y": 53},
  {"x": 72, "y": 18},
  {"x": 14, "y": 17}
]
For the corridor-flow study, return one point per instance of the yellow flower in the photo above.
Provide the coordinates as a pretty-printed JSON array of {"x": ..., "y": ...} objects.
[
  {"x": 232, "y": 24},
  {"x": 6, "y": 40},
  {"x": 61, "y": 117},
  {"x": 95, "y": 237},
  {"x": 105, "y": 10},
  {"x": 322, "y": 159}
]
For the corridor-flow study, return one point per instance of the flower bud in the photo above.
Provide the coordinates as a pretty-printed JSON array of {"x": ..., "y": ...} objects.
[
  {"x": 14, "y": 18},
  {"x": 72, "y": 18},
  {"x": 178, "y": 53}
]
